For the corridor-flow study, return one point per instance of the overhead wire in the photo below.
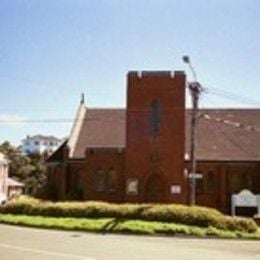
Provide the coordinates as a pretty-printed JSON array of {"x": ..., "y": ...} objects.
[
  {"x": 231, "y": 96},
  {"x": 211, "y": 90}
]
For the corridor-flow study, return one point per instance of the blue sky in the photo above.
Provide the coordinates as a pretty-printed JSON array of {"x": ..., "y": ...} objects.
[{"x": 51, "y": 51}]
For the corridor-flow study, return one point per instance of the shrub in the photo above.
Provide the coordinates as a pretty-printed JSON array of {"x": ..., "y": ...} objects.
[{"x": 181, "y": 214}]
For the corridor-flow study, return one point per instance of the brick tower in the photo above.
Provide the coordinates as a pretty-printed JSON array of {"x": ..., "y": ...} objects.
[{"x": 155, "y": 137}]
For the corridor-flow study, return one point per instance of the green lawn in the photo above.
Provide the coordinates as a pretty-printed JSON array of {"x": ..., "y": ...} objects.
[{"x": 112, "y": 225}]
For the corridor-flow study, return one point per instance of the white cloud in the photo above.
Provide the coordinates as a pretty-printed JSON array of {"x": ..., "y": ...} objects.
[{"x": 12, "y": 120}]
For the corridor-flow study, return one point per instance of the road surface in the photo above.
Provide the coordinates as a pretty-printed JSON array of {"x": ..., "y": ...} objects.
[{"x": 28, "y": 243}]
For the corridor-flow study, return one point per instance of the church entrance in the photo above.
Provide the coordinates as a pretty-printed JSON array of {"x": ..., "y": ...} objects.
[{"x": 155, "y": 189}]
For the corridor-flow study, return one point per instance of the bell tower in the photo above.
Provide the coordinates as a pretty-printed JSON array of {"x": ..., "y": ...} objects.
[{"x": 155, "y": 137}]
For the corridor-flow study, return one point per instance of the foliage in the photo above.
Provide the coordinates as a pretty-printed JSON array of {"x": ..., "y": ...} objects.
[
  {"x": 28, "y": 169},
  {"x": 111, "y": 225},
  {"x": 193, "y": 216}
]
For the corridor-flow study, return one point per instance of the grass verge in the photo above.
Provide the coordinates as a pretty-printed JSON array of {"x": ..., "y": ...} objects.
[
  {"x": 164, "y": 213},
  {"x": 113, "y": 225}
]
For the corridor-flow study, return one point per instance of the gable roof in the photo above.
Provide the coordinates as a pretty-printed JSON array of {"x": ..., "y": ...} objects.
[
  {"x": 57, "y": 155},
  {"x": 106, "y": 128}
]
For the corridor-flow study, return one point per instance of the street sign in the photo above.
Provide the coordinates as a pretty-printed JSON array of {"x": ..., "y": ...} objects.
[{"x": 197, "y": 175}]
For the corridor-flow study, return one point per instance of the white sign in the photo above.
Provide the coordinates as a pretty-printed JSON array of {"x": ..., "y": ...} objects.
[
  {"x": 196, "y": 175},
  {"x": 175, "y": 189},
  {"x": 132, "y": 187},
  {"x": 245, "y": 198}
]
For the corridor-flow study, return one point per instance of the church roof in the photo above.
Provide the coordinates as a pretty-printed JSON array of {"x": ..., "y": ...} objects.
[
  {"x": 227, "y": 134},
  {"x": 104, "y": 128},
  {"x": 223, "y": 134}
]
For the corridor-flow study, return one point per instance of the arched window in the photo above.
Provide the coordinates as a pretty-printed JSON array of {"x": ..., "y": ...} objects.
[
  {"x": 199, "y": 183},
  {"x": 112, "y": 180},
  {"x": 210, "y": 182},
  {"x": 80, "y": 179},
  {"x": 155, "y": 117},
  {"x": 99, "y": 180}
]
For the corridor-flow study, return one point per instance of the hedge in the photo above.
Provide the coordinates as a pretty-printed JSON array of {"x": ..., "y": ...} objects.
[{"x": 171, "y": 213}]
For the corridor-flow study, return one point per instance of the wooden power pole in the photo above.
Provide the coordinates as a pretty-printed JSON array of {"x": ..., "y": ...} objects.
[{"x": 195, "y": 90}]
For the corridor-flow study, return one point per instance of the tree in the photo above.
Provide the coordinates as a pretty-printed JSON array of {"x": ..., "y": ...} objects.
[{"x": 28, "y": 169}]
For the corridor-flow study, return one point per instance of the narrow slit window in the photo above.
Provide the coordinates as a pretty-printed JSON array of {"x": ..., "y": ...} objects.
[
  {"x": 155, "y": 117},
  {"x": 100, "y": 180}
]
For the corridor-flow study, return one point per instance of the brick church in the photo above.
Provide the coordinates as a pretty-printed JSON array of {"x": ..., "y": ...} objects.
[{"x": 141, "y": 153}]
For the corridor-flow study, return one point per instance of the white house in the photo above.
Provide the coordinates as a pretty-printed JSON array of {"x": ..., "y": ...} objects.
[{"x": 40, "y": 144}]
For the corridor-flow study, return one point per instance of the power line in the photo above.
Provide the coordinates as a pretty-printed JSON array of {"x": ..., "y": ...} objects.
[
  {"x": 206, "y": 116},
  {"x": 209, "y": 89},
  {"x": 29, "y": 81},
  {"x": 232, "y": 96}
]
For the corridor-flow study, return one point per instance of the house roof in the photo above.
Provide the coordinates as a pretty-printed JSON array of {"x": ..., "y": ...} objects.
[
  {"x": 13, "y": 183},
  {"x": 43, "y": 138},
  {"x": 217, "y": 140}
]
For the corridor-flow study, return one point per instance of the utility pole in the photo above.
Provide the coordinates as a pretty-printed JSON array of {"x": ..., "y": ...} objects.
[{"x": 195, "y": 90}]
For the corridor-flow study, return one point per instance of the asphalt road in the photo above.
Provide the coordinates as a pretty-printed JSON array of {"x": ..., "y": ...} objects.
[{"x": 28, "y": 243}]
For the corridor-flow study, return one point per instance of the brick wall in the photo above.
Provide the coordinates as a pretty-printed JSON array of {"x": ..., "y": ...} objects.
[
  {"x": 158, "y": 155},
  {"x": 100, "y": 164}
]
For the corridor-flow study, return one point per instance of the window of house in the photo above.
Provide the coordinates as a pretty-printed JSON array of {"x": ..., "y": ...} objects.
[
  {"x": 100, "y": 180},
  {"x": 68, "y": 182},
  {"x": 36, "y": 142},
  {"x": 239, "y": 180},
  {"x": 112, "y": 180},
  {"x": 199, "y": 185},
  {"x": 199, "y": 182},
  {"x": 80, "y": 179},
  {"x": 155, "y": 117},
  {"x": 77, "y": 185},
  {"x": 206, "y": 184},
  {"x": 210, "y": 182}
]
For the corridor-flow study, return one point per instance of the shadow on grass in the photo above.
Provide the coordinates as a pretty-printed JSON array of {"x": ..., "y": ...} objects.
[{"x": 111, "y": 225}]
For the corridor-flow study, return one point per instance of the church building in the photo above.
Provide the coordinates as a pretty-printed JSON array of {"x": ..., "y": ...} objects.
[{"x": 141, "y": 153}]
